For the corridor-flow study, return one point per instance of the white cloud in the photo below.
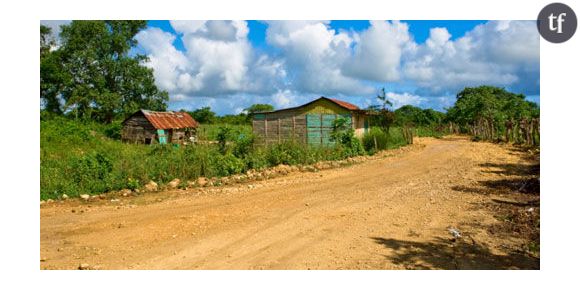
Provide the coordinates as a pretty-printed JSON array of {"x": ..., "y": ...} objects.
[
  {"x": 494, "y": 53},
  {"x": 218, "y": 60},
  {"x": 314, "y": 55},
  {"x": 310, "y": 59},
  {"x": 378, "y": 51}
]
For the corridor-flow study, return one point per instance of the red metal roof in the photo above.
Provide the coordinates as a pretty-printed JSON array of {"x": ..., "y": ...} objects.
[
  {"x": 344, "y": 104},
  {"x": 170, "y": 120}
]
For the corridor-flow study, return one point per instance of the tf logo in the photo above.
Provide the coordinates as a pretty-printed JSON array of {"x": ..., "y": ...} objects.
[{"x": 557, "y": 22}]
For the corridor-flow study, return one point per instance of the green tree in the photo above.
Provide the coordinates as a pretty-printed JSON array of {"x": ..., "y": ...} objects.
[
  {"x": 381, "y": 114},
  {"x": 46, "y": 40},
  {"x": 257, "y": 108},
  {"x": 52, "y": 76},
  {"x": 94, "y": 75},
  {"x": 414, "y": 116},
  {"x": 204, "y": 115},
  {"x": 491, "y": 104}
]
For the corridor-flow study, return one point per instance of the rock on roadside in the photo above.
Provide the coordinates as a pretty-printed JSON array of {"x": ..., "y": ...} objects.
[
  {"x": 174, "y": 183},
  {"x": 151, "y": 186},
  {"x": 202, "y": 181}
]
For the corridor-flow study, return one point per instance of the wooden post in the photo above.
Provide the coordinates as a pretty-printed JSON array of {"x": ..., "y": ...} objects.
[
  {"x": 279, "y": 135},
  {"x": 266, "y": 130},
  {"x": 293, "y": 128}
]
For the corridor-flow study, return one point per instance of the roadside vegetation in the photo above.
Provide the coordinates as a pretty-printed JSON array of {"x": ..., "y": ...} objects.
[{"x": 91, "y": 81}]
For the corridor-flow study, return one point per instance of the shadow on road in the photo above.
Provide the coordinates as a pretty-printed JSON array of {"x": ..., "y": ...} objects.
[
  {"x": 514, "y": 178},
  {"x": 451, "y": 255}
]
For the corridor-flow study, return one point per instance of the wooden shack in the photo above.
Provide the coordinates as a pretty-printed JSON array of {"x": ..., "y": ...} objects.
[
  {"x": 310, "y": 123},
  {"x": 149, "y": 127}
]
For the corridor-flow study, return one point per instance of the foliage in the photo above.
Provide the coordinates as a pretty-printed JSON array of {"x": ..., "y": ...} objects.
[
  {"x": 204, "y": 115},
  {"x": 209, "y": 132},
  {"x": 413, "y": 116},
  {"x": 376, "y": 140},
  {"x": 223, "y": 136},
  {"x": 257, "y": 108},
  {"x": 227, "y": 164},
  {"x": 92, "y": 75},
  {"x": 92, "y": 171},
  {"x": 381, "y": 115},
  {"x": 490, "y": 103},
  {"x": 343, "y": 134},
  {"x": 77, "y": 157},
  {"x": 491, "y": 113},
  {"x": 46, "y": 40},
  {"x": 243, "y": 144}
]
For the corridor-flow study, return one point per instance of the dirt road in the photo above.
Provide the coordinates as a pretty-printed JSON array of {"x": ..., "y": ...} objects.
[{"x": 392, "y": 212}]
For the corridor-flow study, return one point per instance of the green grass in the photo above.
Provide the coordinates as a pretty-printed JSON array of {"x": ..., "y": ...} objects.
[
  {"x": 209, "y": 131},
  {"x": 85, "y": 158}
]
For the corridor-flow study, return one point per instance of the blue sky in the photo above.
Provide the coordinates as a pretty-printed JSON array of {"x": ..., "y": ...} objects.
[{"x": 229, "y": 65}]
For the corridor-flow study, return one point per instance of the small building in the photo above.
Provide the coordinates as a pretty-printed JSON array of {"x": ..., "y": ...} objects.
[
  {"x": 310, "y": 123},
  {"x": 149, "y": 127}
]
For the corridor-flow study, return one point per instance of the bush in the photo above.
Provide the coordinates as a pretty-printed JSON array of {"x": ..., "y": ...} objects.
[
  {"x": 223, "y": 136},
  {"x": 384, "y": 141},
  {"x": 93, "y": 172},
  {"x": 375, "y": 140},
  {"x": 113, "y": 130},
  {"x": 243, "y": 145},
  {"x": 227, "y": 164},
  {"x": 343, "y": 135},
  {"x": 132, "y": 184}
]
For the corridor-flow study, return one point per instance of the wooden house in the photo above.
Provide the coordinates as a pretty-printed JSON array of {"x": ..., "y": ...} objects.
[
  {"x": 310, "y": 123},
  {"x": 149, "y": 127}
]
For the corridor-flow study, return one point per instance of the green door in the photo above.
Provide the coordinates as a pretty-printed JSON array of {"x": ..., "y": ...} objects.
[
  {"x": 319, "y": 128},
  {"x": 162, "y": 136}
]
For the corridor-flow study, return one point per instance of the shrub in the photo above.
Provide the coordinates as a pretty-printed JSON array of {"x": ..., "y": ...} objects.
[
  {"x": 375, "y": 140},
  {"x": 227, "y": 164},
  {"x": 223, "y": 136},
  {"x": 343, "y": 134},
  {"x": 243, "y": 145},
  {"x": 132, "y": 184},
  {"x": 92, "y": 172},
  {"x": 113, "y": 130}
]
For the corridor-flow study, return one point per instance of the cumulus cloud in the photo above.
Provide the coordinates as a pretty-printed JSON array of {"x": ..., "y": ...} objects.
[
  {"x": 306, "y": 59},
  {"x": 314, "y": 55},
  {"x": 378, "y": 51},
  {"x": 218, "y": 60},
  {"x": 500, "y": 53}
]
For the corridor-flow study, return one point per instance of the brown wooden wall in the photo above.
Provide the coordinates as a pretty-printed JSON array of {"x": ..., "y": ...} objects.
[
  {"x": 137, "y": 129},
  {"x": 280, "y": 127}
]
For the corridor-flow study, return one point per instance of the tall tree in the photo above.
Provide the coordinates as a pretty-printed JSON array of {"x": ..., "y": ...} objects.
[
  {"x": 46, "y": 40},
  {"x": 97, "y": 76},
  {"x": 52, "y": 77}
]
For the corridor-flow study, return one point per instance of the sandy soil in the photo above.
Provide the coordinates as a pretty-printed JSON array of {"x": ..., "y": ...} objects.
[{"x": 392, "y": 212}]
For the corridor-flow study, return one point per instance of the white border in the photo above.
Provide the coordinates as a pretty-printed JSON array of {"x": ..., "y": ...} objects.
[{"x": 20, "y": 149}]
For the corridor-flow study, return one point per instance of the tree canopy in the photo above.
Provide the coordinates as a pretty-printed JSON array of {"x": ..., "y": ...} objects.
[
  {"x": 411, "y": 115},
  {"x": 94, "y": 73},
  {"x": 256, "y": 108},
  {"x": 491, "y": 103},
  {"x": 204, "y": 115}
]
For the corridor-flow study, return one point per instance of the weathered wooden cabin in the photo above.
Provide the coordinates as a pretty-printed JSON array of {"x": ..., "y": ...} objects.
[
  {"x": 149, "y": 127},
  {"x": 310, "y": 123}
]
